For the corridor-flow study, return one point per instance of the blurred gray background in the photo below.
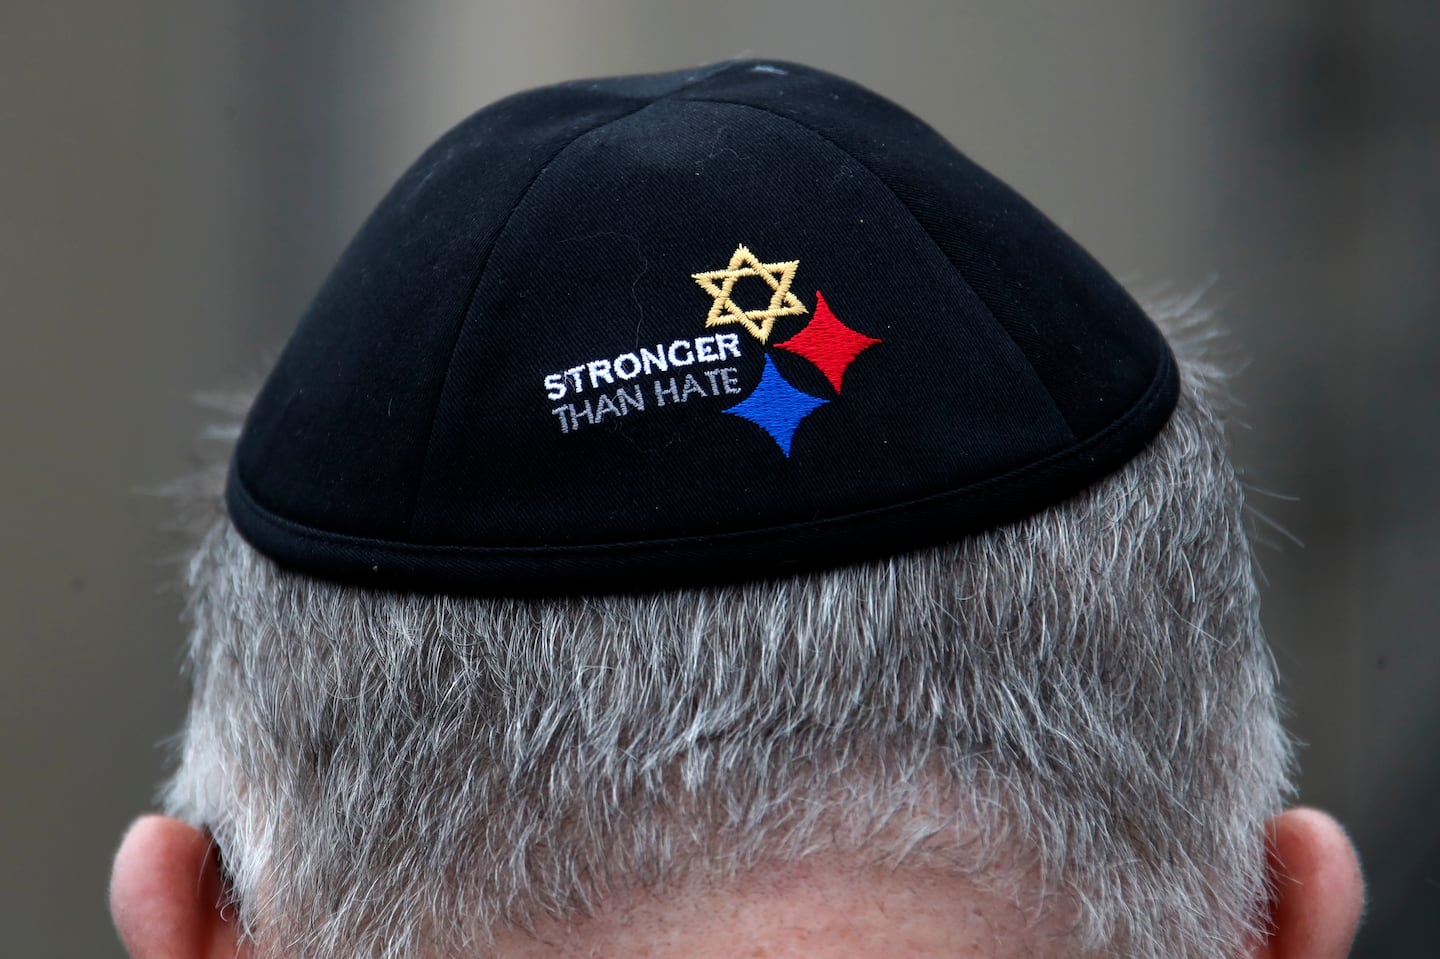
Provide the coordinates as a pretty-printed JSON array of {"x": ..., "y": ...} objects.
[{"x": 176, "y": 177}]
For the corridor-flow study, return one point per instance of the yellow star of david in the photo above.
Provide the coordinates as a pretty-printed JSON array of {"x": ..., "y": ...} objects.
[{"x": 758, "y": 322}]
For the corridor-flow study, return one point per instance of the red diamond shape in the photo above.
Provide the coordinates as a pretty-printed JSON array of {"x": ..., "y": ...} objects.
[{"x": 829, "y": 344}]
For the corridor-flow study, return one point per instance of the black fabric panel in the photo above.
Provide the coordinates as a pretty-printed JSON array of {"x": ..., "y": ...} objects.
[
  {"x": 1087, "y": 339},
  {"x": 336, "y": 436}
]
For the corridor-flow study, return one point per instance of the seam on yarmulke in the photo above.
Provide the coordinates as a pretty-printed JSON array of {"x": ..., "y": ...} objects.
[
  {"x": 720, "y": 101},
  {"x": 475, "y": 288}
]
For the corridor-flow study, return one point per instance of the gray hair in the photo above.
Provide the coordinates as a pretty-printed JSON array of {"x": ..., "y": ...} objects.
[{"x": 1085, "y": 694}]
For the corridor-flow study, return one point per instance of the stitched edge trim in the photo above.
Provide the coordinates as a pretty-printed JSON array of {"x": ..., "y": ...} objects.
[{"x": 1162, "y": 391}]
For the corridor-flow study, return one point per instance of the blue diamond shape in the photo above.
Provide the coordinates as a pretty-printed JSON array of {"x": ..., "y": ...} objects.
[{"x": 776, "y": 407}]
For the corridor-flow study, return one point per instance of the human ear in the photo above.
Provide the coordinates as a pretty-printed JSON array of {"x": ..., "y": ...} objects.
[
  {"x": 1317, "y": 892},
  {"x": 166, "y": 893}
]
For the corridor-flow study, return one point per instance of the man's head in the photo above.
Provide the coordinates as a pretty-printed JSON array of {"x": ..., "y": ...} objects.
[{"x": 968, "y": 659}]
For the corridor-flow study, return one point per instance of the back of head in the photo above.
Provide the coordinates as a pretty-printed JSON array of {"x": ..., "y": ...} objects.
[{"x": 1014, "y": 639}]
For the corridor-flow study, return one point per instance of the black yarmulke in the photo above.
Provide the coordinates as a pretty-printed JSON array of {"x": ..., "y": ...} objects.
[{"x": 686, "y": 328}]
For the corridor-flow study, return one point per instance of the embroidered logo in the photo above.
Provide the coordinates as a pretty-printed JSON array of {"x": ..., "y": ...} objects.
[
  {"x": 743, "y": 264},
  {"x": 775, "y": 405},
  {"x": 600, "y": 392}
]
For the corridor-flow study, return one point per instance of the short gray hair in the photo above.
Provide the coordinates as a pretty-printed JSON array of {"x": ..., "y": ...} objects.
[{"x": 1087, "y": 691}]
